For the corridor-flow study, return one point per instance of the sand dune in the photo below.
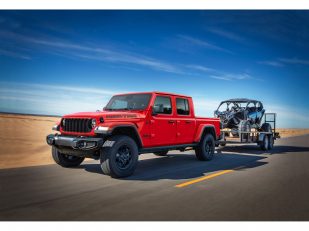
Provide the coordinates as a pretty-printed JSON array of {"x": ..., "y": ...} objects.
[{"x": 23, "y": 140}]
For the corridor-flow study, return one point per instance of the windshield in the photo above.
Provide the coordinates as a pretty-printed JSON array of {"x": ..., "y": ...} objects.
[{"x": 128, "y": 102}]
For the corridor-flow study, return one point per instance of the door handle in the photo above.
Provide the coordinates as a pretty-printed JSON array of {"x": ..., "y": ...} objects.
[
  {"x": 171, "y": 121},
  {"x": 188, "y": 122}
]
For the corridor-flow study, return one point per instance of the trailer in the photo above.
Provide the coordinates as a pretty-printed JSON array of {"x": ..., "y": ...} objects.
[{"x": 264, "y": 135}]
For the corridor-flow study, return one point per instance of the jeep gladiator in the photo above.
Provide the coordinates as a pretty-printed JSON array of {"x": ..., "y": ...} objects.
[{"x": 132, "y": 124}]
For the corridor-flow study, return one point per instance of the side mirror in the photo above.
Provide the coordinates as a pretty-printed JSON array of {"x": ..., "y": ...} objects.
[
  {"x": 153, "y": 111},
  {"x": 216, "y": 112}
]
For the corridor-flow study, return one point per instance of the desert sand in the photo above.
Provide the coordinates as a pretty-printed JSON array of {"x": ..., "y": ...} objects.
[{"x": 23, "y": 140}]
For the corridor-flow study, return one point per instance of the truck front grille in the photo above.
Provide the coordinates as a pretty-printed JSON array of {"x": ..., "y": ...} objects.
[{"x": 77, "y": 125}]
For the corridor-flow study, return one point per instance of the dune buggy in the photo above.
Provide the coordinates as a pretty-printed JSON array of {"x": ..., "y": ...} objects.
[{"x": 241, "y": 121}]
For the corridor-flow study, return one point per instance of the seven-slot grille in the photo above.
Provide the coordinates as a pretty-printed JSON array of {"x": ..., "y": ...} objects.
[{"x": 77, "y": 125}]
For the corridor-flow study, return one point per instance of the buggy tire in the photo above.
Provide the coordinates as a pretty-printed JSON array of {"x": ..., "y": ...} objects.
[
  {"x": 121, "y": 159},
  {"x": 266, "y": 127},
  {"x": 65, "y": 160},
  {"x": 162, "y": 153},
  {"x": 206, "y": 148}
]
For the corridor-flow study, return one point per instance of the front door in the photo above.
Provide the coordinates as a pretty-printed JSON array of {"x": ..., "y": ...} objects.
[{"x": 163, "y": 124}]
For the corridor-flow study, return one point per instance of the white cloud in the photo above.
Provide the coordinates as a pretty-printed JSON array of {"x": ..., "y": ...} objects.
[
  {"x": 201, "y": 68},
  {"x": 230, "y": 77},
  {"x": 283, "y": 61},
  {"x": 272, "y": 63},
  {"x": 294, "y": 61},
  {"x": 92, "y": 52},
  {"x": 226, "y": 34},
  {"x": 289, "y": 116},
  {"x": 51, "y": 99},
  {"x": 203, "y": 43},
  {"x": 13, "y": 54}
]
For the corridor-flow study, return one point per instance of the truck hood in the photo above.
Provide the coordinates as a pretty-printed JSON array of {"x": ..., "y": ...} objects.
[{"x": 109, "y": 115}]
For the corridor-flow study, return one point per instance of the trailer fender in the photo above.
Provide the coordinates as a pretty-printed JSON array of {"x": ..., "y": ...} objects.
[{"x": 261, "y": 137}]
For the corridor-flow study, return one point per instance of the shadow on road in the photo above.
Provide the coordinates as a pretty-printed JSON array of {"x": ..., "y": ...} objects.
[
  {"x": 177, "y": 166},
  {"x": 255, "y": 150}
]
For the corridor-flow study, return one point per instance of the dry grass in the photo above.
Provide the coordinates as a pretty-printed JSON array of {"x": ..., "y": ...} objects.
[
  {"x": 289, "y": 132},
  {"x": 23, "y": 140}
]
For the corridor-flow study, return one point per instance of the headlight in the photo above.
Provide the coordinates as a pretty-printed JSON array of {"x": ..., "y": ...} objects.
[
  {"x": 101, "y": 129},
  {"x": 93, "y": 123},
  {"x": 63, "y": 122},
  {"x": 55, "y": 127}
]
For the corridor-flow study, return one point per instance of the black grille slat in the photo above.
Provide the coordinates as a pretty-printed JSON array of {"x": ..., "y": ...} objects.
[{"x": 77, "y": 125}]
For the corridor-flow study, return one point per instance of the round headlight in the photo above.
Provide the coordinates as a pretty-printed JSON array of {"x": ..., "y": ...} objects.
[
  {"x": 93, "y": 123},
  {"x": 63, "y": 122}
]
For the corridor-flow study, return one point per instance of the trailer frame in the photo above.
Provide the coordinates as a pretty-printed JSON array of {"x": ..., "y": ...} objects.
[{"x": 255, "y": 135}]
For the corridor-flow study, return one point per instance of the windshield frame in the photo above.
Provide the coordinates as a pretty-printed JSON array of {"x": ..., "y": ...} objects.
[{"x": 108, "y": 105}]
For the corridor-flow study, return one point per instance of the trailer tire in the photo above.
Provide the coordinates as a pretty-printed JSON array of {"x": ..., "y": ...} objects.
[
  {"x": 121, "y": 159},
  {"x": 65, "y": 160},
  {"x": 270, "y": 142},
  {"x": 264, "y": 144},
  {"x": 162, "y": 153},
  {"x": 206, "y": 148}
]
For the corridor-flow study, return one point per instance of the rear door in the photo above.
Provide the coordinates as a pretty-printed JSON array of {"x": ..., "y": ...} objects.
[
  {"x": 185, "y": 121},
  {"x": 163, "y": 123}
]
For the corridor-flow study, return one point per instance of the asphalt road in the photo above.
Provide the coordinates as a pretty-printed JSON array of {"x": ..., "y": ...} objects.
[{"x": 260, "y": 186}]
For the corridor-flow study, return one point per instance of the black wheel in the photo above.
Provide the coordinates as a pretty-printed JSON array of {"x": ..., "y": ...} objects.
[
  {"x": 121, "y": 159},
  {"x": 270, "y": 142},
  {"x": 65, "y": 160},
  {"x": 162, "y": 153},
  {"x": 265, "y": 143},
  {"x": 206, "y": 148}
]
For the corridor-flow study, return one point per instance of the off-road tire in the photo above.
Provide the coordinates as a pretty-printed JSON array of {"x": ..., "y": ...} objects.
[
  {"x": 162, "y": 153},
  {"x": 266, "y": 127},
  {"x": 206, "y": 148},
  {"x": 65, "y": 160},
  {"x": 121, "y": 159}
]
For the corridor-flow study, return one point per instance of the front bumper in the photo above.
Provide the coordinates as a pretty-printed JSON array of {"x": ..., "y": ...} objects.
[{"x": 75, "y": 143}]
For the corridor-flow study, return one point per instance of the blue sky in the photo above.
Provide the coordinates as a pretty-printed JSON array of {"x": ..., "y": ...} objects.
[{"x": 58, "y": 62}]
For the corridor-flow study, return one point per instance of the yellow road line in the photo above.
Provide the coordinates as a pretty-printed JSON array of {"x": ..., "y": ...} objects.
[{"x": 207, "y": 177}]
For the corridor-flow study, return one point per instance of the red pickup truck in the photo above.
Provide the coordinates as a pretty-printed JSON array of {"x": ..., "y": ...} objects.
[{"x": 132, "y": 124}]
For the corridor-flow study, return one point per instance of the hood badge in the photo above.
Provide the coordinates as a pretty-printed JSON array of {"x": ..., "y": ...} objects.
[{"x": 120, "y": 116}]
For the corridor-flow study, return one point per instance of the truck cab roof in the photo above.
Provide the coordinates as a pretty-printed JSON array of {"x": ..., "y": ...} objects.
[{"x": 157, "y": 93}]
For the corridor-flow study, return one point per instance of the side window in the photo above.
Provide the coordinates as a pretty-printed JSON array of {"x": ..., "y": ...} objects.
[
  {"x": 182, "y": 106},
  {"x": 162, "y": 105}
]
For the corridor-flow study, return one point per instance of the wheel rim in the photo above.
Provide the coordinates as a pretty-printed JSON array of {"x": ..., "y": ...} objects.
[
  {"x": 208, "y": 149},
  {"x": 123, "y": 157}
]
